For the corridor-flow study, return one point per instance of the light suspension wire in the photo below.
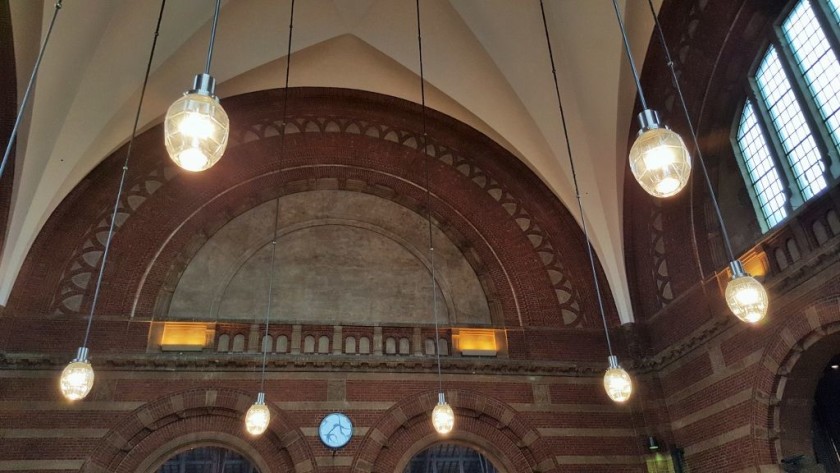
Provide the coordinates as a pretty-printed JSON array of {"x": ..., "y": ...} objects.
[
  {"x": 216, "y": 12},
  {"x": 25, "y": 100},
  {"x": 443, "y": 417},
  {"x": 745, "y": 296},
  {"x": 622, "y": 389},
  {"x": 76, "y": 383},
  {"x": 629, "y": 55},
  {"x": 698, "y": 152},
  {"x": 258, "y": 416}
]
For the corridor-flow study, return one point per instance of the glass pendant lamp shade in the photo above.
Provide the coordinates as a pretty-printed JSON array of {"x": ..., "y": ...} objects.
[
  {"x": 617, "y": 382},
  {"x": 196, "y": 127},
  {"x": 659, "y": 159},
  {"x": 443, "y": 417},
  {"x": 258, "y": 416},
  {"x": 745, "y": 296},
  {"x": 76, "y": 380}
]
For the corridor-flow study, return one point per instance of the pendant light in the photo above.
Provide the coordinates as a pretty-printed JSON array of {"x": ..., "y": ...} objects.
[
  {"x": 745, "y": 296},
  {"x": 659, "y": 159},
  {"x": 617, "y": 381},
  {"x": 259, "y": 416},
  {"x": 25, "y": 100},
  {"x": 77, "y": 378},
  {"x": 196, "y": 126},
  {"x": 443, "y": 417}
]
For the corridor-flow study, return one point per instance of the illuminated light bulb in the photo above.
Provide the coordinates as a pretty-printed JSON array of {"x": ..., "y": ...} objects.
[
  {"x": 193, "y": 159},
  {"x": 617, "y": 382},
  {"x": 745, "y": 296},
  {"x": 196, "y": 127},
  {"x": 443, "y": 417},
  {"x": 659, "y": 159},
  {"x": 76, "y": 380},
  {"x": 258, "y": 416}
]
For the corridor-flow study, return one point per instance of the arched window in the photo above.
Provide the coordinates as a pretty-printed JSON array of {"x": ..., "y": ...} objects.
[
  {"x": 405, "y": 346},
  {"x": 350, "y": 345},
  {"x": 267, "y": 343},
  {"x": 390, "y": 346},
  {"x": 206, "y": 459},
  {"x": 788, "y": 132},
  {"x": 449, "y": 458}
]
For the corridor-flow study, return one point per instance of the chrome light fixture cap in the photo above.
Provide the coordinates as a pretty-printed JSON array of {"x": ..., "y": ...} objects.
[{"x": 203, "y": 84}]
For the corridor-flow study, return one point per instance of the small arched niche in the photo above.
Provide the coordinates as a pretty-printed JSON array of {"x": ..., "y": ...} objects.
[
  {"x": 450, "y": 458},
  {"x": 208, "y": 459}
]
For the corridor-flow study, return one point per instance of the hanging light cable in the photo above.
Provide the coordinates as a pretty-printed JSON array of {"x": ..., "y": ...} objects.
[
  {"x": 25, "y": 100},
  {"x": 617, "y": 382},
  {"x": 659, "y": 160},
  {"x": 196, "y": 126},
  {"x": 258, "y": 416},
  {"x": 745, "y": 296},
  {"x": 77, "y": 378},
  {"x": 443, "y": 417}
]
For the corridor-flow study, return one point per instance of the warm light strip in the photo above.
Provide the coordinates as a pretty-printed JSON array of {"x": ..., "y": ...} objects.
[
  {"x": 184, "y": 334},
  {"x": 469, "y": 340}
]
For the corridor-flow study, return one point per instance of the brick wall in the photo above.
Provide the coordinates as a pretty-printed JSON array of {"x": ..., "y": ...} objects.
[{"x": 538, "y": 406}]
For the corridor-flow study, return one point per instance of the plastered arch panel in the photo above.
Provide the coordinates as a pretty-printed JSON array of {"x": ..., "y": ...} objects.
[{"x": 341, "y": 255}]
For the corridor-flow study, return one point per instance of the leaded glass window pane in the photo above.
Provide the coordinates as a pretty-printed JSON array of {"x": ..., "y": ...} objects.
[
  {"x": 763, "y": 175},
  {"x": 835, "y": 7},
  {"x": 817, "y": 61},
  {"x": 790, "y": 124}
]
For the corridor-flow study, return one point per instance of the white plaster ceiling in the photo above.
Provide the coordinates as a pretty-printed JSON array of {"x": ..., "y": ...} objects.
[{"x": 486, "y": 61}]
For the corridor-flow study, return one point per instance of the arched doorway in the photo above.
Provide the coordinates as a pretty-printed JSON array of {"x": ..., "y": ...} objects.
[
  {"x": 826, "y": 417},
  {"x": 450, "y": 458},
  {"x": 208, "y": 460}
]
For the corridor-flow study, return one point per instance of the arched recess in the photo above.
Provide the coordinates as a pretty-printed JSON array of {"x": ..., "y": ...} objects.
[
  {"x": 790, "y": 370},
  {"x": 522, "y": 242},
  {"x": 196, "y": 417},
  {"x": 481, "y": 422}
]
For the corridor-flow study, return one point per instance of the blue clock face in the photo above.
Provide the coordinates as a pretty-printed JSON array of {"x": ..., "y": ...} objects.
[{"x": 335, "y": 430}]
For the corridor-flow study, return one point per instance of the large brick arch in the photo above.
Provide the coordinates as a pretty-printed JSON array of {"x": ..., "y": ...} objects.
[
  {"x": 199, "y": 417},
  {"x": 787, "y": 378},
  {"x": 481, "y": 422},
  {"x": 524, "y": 245}
]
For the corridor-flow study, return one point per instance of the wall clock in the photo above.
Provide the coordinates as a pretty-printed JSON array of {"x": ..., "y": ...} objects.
[{"x": 335, "y": 430}]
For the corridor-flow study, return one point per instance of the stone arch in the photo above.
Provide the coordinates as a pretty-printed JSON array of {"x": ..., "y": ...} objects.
[
  {"x": 366, "y": 142},
  {"x": 203, "y": 416},
  {"x": 788, "y": 375},
  {"x": 482, "y": 422}
]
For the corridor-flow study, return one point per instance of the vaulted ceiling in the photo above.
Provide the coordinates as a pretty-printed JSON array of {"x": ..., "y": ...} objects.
[{"x": 486, "y": 62}]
